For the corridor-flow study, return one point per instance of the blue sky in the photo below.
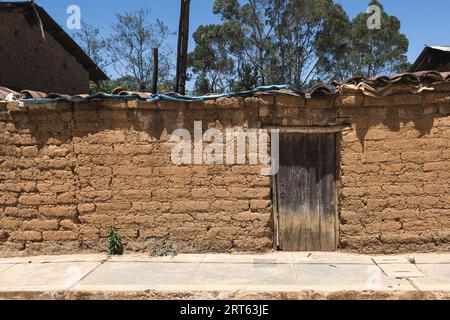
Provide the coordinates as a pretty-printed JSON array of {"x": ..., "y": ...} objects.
[{"x": 422, "y": 24}]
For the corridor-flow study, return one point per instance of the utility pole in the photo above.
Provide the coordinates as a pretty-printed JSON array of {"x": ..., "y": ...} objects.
[{"x": 183, "y": 42}]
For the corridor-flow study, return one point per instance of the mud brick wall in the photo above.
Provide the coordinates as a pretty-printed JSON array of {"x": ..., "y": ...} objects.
[
  {"x": 69, "y": 171},
  {"x": 67, "y": 175},
  {"x": 394, "y": 166},
  {"x": 25, "y": 57},
  {"x": 395, "y": 180}
]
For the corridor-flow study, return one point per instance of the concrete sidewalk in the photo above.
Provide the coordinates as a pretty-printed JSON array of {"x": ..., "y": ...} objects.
[{"x": 269, "y": 276}]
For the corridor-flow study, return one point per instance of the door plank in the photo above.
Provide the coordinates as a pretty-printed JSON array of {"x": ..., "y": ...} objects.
[
  {"x": 312, "y": 162},
  {"x": 291, "y": 222},
  {"x": 299, "y": 193},
  {"x": 302, "y": 187},
  {"x": 306, "y": 192}
]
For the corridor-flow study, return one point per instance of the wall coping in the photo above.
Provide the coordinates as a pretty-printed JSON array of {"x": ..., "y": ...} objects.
[{"x": 438, "y": 100}]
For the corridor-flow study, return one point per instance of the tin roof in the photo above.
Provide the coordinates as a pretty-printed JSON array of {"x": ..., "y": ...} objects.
[{"x": 54, "y": 29}]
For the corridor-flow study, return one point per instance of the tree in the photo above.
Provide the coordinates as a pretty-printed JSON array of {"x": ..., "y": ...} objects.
[
  {"x": 268, "y": 41},
  {"x": 95, "y": 46},
  {"x": 210, "y": 60},
  {"x": 333, "y": 47},
  {"x": 297, "y": 42},
  {"x": 131, "y": 46},
  {"x": 377, "y": 51},
  {"x": 308, "y": 33}
]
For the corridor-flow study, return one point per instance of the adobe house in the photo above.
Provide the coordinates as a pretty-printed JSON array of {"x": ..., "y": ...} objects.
[
  {"x": 26, "y": 55},
  {"x": 433, "y": 58},
  {"x": 364, "y": 167}
]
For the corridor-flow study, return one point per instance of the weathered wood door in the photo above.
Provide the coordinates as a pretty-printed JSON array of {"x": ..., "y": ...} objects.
[{"x": 306, "y": 193}]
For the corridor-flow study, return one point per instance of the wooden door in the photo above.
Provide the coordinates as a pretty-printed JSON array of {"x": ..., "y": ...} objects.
[{"x": 306, "y": 192}]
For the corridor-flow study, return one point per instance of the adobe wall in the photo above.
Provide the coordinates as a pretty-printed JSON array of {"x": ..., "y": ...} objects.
[
  {"x": 69, "y": 171},
  {"x": 395, "y": 181},
  {"x": 66, "y": 176},
  {"x": 394, "y": 185},
  {"x": 25, "y": 57}
]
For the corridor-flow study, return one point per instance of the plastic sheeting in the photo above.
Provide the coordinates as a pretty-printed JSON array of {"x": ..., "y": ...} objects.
[{"x": 157, "y": 97}]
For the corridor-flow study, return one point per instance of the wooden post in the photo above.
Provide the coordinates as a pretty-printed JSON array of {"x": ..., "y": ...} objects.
[
  {"x": 155, "y": 70},
  {"x": 183, "y": 41},
  {"x": 180, "y": 35},
  {"x": 184, "y": 63}
]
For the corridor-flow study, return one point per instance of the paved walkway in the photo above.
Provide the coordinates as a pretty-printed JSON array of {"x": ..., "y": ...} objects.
[{"x": 268, "y": 276}]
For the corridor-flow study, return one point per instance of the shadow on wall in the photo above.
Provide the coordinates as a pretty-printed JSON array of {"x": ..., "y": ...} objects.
[
  {"x": 79, "y": 121},
  {"x": 394, "y": 119}
]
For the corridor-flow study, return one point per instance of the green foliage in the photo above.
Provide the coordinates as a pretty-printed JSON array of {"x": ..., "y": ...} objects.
[
  {"x": 247, "y": 78},
  {"x": 201, "y": 85},
  {"x": 210, "y": 60},
  {"x": 299, "y": 42},
  {"x": 258, "y": 42},
  {"x": 378, "y": 51},
  {"x": 333, "y": 48},
  {"x": 115, "y": 246}
]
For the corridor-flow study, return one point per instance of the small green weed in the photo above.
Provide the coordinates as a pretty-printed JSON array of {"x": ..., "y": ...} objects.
[{"x": 115, "y": 246}]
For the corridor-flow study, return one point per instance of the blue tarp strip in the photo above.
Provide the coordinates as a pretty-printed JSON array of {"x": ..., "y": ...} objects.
[{"x": 159, "y": 97}]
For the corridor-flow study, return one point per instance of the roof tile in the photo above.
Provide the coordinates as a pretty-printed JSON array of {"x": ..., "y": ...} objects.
[{"x": 380, "y": 86}]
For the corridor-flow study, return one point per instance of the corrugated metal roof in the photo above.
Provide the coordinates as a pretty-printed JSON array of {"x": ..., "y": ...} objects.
[{"x": 441, "y": 48}]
